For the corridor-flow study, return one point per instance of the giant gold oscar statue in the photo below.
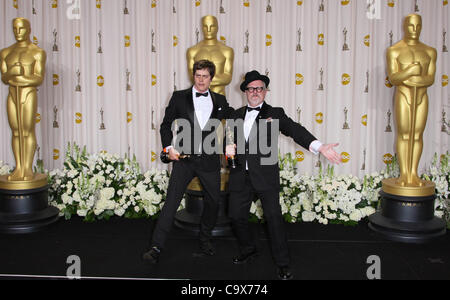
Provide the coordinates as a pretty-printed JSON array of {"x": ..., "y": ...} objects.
[
  {"x": 210, "y": 48},
  {"x": 23, "y": 193},
  {"x": 407, "y": 204},
  {"x": 213, "y": 50}
]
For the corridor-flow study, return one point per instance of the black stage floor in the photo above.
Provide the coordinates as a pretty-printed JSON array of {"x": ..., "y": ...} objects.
[{"x": 113, "y": 249}]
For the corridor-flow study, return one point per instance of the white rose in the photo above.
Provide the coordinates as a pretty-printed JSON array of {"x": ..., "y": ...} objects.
[{"x": 107, "y": 193}]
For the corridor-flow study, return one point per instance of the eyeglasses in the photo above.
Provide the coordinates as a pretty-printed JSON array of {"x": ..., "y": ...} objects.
[{"x": 258, "y": 89}]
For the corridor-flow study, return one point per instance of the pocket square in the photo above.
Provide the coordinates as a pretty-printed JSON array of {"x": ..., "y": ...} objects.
[{"x": 220, "y": 108}]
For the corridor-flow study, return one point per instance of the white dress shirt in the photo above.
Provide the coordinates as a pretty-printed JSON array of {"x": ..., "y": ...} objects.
[
  {"x": 203, "y": 107},
  {"x": 250, "y": 118}
]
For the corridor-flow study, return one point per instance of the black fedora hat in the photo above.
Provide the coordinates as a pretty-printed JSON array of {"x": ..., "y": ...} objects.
[{"x": 252, "y": 76}]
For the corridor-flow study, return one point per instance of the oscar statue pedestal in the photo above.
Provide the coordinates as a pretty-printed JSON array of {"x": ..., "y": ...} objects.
[
  {"x": 407, "y": 218},
  {"x": 24, "y": 205},
  {"x": 189, "y": 218}
]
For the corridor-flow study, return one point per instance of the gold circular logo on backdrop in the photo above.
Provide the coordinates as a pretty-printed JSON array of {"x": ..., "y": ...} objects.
[
  {"x": 77, "y": 41},
  {"x": 345, "y": 2},
  {"x": 78, "y": 118},
  {"x": 55, "y": 79},
  {"x": 129, "y": 117},
  {"x": 444, "y": 80},
  {"x": 153, "y": 80},
  {"x": 15, "y": 4},
  {"x": 153, "y": 156},
  {"x": 345, "y": 157},
  {"x": 99, "y": 4},
  {"x": 321, "y": 39},
  {"x": 387, "y": 82},
  {"x": 299, "y": 156},
  {"x": 127, "y": 41},
  {"x": 319, "y": 118},
  {"x": 100, "y": 81},
  {"x": 364, "y": 120},
  {"x": 35, "y": 40},
  {"x": 391, "y": 3},
  {"x": 268, "y": 40},
  {"x": 367, "y": 40},
  {"x": 175, "y": 40},
  {"x": 38, "y": 118},
  {"x": 153, "y": 3},
  {"x": 223, "y": 39},
  {"x": 387, "y": 158},
  {"x": 55, "y": 154},
  {"x": 299, "y": 3},
  {"x": 246, "y": 3},
  {"x": 198, "y": 2},
  {"x": 54, "y": 3},
  {"x": 445, "y": 2},
  {"x": 346, "y": 79},
  {"x": 299, "y": 79}
]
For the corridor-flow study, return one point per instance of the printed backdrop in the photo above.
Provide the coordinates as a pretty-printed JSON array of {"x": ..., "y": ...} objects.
[{"x": 113, "y": 64}]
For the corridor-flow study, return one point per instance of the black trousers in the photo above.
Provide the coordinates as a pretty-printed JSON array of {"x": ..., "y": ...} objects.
[
  {"x": 239, "y": 209},
  {"x": 182, "y": 174}
]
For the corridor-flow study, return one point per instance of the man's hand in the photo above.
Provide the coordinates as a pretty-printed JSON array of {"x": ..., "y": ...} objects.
[
  {"x": 329, "y": 153},
  {"x": 230, "y": 150},
  {"x": 174, "y": 154}
]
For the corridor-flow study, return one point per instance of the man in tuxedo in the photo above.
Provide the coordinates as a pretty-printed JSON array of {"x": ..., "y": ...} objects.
[
  {"x": 198, "y": 112},
  {"x": 257, "y": 175}
]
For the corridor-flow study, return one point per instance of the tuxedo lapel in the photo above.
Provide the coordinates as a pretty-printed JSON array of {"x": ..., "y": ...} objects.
[
  {"x": 215, "y": 106},
  {"x": 190, "y": 106}
]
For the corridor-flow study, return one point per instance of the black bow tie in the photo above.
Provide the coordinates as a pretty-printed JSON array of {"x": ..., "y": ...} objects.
[
  {"x": 200, "y": 94},
  {"x": 249, "y": 109}
]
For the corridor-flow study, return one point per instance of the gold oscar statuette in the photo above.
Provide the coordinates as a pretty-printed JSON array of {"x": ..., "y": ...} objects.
[
  {"x": 213, "y": 50},
  {"x": 23, "y": 70},
  {"x": 411, "y": 68}
]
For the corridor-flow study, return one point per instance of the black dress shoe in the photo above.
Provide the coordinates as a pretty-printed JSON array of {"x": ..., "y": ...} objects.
[
  {"x": 245, "y": 257},
  {"x": 284, "y": 273},
  {"x": 152, "y": 256},
  {"x": 207, "y": 248}
]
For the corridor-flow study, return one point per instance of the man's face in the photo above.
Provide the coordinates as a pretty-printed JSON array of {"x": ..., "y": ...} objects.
[
  {"x": 202, "y": 80},
  {"x": 256, "y": 93},
  {"x": 210, "y": 28},
  {"x": 413, "y": 27},
  {"x": 21, "y": 30}
]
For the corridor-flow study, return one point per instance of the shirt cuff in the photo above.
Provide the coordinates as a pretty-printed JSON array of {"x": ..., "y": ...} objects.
[{"x": 315, "y": 146}]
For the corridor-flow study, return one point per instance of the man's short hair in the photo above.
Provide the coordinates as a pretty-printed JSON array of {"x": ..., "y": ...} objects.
[{"x": 205, "y": 64}]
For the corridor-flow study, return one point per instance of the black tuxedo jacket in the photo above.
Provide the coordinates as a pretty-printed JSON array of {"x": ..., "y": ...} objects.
[
  {"x": 264, "y": 176},
  {"x": 181, "y": 106}
]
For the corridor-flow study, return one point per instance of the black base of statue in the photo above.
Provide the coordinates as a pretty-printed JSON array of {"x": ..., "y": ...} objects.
[
  {"x": 189, "y": 218},
  {"x": 407, "y": 219},
  {"x": 26, "y": 211}
]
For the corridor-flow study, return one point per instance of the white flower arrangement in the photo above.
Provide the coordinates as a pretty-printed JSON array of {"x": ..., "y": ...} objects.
[
  {"x": 4, "y": 169},
  {"x": 102, "y": 185}
]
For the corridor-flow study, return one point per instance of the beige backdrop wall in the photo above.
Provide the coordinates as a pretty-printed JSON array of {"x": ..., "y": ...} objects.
[{"x": 127, "y": 86}]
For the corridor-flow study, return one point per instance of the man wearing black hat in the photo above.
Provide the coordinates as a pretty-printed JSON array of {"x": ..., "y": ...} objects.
[{"x": 255, "y": 176}]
